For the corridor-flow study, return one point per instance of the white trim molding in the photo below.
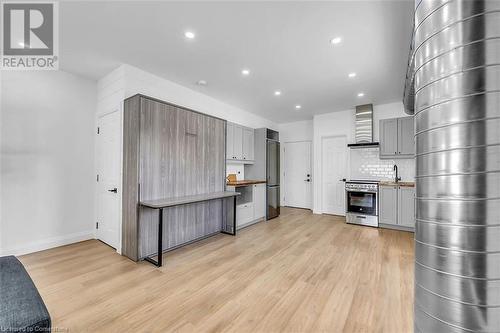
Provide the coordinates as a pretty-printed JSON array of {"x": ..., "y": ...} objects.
[{"x": 49, "y": 243}]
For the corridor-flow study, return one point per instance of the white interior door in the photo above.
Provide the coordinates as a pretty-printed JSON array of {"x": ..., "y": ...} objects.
[
  {"x": 334, "y": 169},
  {"x": 298, "y": 181},
  {"x": 108, "y": 185}
]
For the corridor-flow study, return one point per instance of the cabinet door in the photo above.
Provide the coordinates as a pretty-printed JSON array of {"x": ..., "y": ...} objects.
[
  {"x": 388, "y": 137},
  {"x": 238, "y": 142},
  {"x": 406, "y": 137},
  {"x": 244, "y": 214},
  {"x": 229, "y": 141},
  {"x": 388, "y": 203},
  {"x": 248, "y": 144},
  {"x": 259, "y": 200},
  {"x": 406, "y": 206}
]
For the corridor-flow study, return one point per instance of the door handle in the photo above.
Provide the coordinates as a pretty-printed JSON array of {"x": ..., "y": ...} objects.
[
  {"x": 115, "y": 190},
  {"x": 342, "y": 180},
  {"x": 307, "y": 180}
]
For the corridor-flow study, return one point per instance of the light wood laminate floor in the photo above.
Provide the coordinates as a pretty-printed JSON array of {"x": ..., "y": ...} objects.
[{"x": 297, "y": 273}]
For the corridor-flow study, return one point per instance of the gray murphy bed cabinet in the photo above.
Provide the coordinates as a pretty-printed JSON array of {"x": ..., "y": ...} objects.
[{"x": 171, "y": 152}]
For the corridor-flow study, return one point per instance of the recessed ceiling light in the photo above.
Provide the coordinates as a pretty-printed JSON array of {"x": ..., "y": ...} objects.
[
  {"x": 351, "y": 75},
  {"x": 201, "y": 83},
  {"x": 189, "y": 34},
  {"x": 335, "y": 40},
  {"x": 361, "y": 94},
  {"x": 277, "y": 93},
  {"x": 245, "y": 72},
  {"x": 298, "y": 107}
]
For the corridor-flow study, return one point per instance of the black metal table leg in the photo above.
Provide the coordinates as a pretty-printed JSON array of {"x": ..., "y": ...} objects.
[
  {"x": 160, "y": 241},
  {"x": 234, "y": 216},
  {"x": 226, "y": 224}
]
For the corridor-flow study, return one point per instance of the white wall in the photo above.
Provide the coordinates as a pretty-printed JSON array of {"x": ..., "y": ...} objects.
[
  {"x": 47, "y": 160},
  {"x": 139, "y": 81},
  {"x": 343, "y": 123}
]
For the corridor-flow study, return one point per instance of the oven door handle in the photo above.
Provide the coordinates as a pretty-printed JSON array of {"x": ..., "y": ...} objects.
[
  {"x": 361, "y": 191},
  {"x": 360, "y": 217}
]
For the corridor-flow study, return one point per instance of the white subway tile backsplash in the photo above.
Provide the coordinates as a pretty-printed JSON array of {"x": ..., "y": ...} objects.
[
  {"x": 366, "y": 164},
  {"x": 237, "y": 169}
]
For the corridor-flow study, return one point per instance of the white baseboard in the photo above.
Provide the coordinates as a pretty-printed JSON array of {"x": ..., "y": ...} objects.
[{"x": 48, "y": 243}]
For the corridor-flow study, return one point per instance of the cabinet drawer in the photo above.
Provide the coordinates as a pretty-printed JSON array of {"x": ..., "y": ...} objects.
[{"x": 244, "y": 214}]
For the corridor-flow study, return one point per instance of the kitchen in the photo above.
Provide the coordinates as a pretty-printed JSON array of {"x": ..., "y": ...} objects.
[{"x": 378, "y": 176}]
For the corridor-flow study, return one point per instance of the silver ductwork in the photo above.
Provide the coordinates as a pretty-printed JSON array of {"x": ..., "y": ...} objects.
[{"x": 456, "y": 79}]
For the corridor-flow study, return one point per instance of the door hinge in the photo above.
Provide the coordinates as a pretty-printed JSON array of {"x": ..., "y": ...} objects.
[
  {"x": 98, "y": 129},
  {"x": 97, "y": 178},
  {"x": 97, "y": 225}
]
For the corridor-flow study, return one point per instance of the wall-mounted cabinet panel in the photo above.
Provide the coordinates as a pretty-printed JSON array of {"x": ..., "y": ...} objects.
[
  {"x": 240, "y": 144},
  {"x": 248, "y": 144},
  {"x": 397, "y": 138},
  {"x": 229, "y": 141},
  {"x": 388, "y": 137},
  {"x": 406, "y": 137}
]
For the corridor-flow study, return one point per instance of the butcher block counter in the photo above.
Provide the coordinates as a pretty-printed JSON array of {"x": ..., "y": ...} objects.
[
  {"x": 390, "y": 183},
  {"x": 238, "y": 183}
]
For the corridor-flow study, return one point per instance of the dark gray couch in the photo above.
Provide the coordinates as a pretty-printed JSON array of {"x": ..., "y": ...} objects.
[{"x": 21, "y": 307}]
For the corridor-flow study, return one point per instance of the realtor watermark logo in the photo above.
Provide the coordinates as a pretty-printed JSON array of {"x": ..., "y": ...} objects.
[{"x": 30, "y": 39}]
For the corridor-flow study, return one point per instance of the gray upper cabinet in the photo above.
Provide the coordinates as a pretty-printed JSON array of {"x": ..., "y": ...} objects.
[
  {"x": 397, "y": 138},
  {"x": 388, "y": 204},
  {"x": 240, "y": 143},
  {"x": 406, "y": 206},
  {"x": 229, "y": 141},
  {"x": 406, "y": 137},
  {"x": 248, "y": 144},
  {"x": 388, "y": 137}
]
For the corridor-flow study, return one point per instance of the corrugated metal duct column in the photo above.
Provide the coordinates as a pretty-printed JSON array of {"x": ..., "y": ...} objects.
[{"x": 457, "y": 117}]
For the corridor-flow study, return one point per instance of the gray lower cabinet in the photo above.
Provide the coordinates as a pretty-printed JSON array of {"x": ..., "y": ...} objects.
[
  {"x": 406, "y": 206},
  {"x": 388, "y": 205},
  {"x": 397, "y": 139},
  {"x": 397, "y": 207}
]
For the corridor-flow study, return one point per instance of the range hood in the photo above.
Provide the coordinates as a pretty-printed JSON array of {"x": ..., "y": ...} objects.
[{"x": 364, "y": 127}]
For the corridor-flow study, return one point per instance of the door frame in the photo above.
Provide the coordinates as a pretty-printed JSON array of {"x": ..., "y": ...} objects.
[
  {"x": 283, "y": 182},
  {"x": 321, "y": 184},
  {"x": 119, "y": 109}
]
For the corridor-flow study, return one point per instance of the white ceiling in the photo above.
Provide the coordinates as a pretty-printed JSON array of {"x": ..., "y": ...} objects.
[{"x": 286, "y": 45}]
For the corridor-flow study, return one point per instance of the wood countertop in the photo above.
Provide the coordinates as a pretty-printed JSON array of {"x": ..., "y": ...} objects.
[
  {"x": 389, "y": 183},
  {"x": 245, "y": 182}
]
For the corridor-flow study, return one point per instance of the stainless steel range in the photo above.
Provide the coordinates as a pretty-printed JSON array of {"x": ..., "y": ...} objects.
[{"x": 362, "y": 202}]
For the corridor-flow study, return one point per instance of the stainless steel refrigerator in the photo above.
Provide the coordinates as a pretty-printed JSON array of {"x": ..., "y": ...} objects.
[{"x": 273, "y": 176}]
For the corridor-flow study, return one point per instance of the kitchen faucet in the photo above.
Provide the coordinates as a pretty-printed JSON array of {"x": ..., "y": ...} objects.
[{"x": 396, "y": 177}]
